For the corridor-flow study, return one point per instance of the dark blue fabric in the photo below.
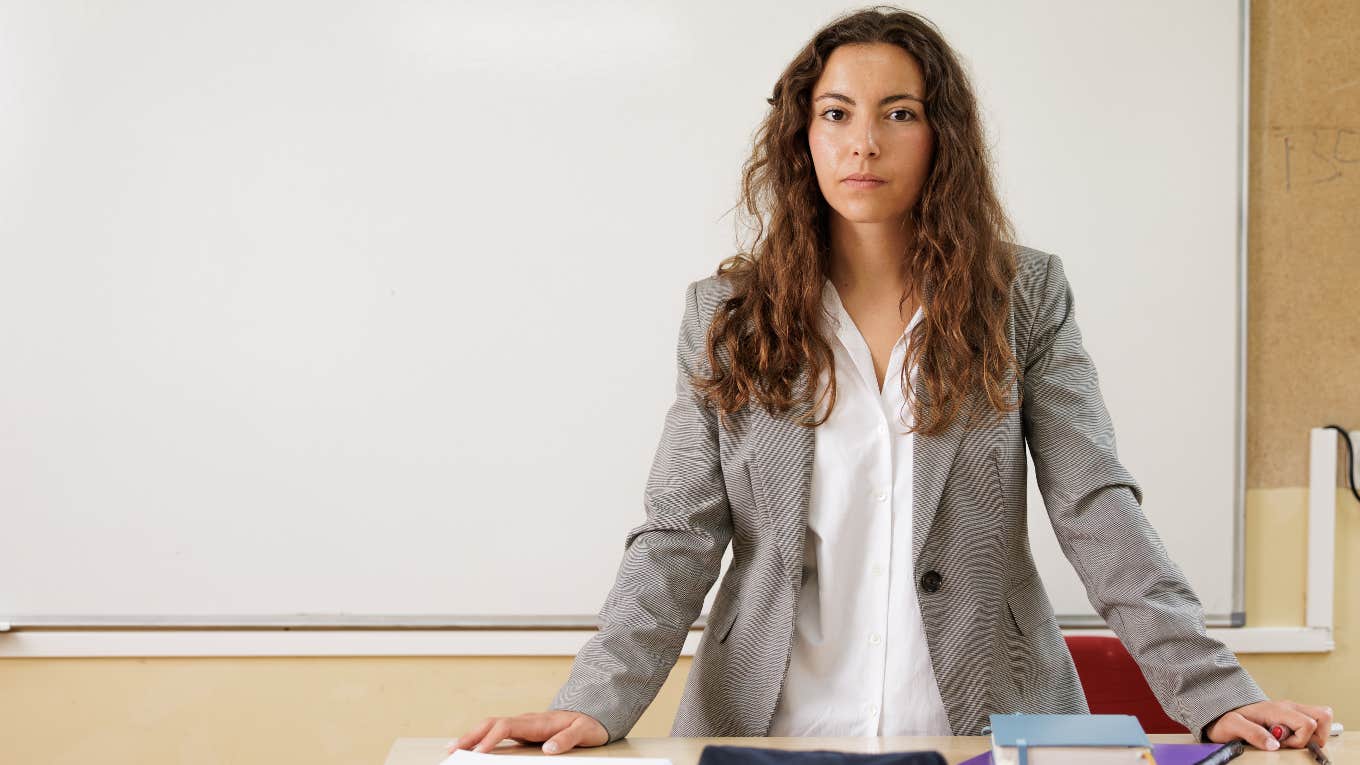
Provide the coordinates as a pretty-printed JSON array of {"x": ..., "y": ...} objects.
[{"x": 715, "y": 754}]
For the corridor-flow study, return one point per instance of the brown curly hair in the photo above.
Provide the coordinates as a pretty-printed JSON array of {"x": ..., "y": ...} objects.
[{"x": 961, "y": 255}]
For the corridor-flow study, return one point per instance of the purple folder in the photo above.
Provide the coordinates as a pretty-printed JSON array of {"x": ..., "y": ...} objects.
[{"x": 1165, "y": 754}]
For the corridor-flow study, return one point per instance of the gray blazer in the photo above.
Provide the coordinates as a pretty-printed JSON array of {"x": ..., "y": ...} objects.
[{"x": 994, "y": 642}]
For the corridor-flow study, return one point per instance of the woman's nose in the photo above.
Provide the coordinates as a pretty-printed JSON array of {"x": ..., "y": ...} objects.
[{"x": 865, "y": 144}]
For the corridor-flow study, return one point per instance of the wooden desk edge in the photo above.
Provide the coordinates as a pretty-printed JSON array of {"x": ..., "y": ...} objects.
[{"x": 956, "y": 749}]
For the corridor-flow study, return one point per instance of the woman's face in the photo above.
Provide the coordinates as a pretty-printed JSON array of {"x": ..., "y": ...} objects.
[{"x": 868, "y": 117}]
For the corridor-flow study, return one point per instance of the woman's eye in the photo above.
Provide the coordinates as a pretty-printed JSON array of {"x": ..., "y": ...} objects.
[{"x": 909, "y": 114}]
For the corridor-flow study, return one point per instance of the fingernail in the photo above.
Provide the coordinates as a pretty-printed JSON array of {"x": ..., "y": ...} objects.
[
  {"x": 1272, "y": 744},
  {"x": 550, "y": 747}
]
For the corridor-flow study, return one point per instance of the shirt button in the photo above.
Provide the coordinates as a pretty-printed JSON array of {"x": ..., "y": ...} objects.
[
  {"x": 882, "y": 428},
  {"x": 872, "y": 709},
  {"x": 875, "y": 638},
  {"x": 881, "y": 496},
  {"x": 878, "y": 570}
]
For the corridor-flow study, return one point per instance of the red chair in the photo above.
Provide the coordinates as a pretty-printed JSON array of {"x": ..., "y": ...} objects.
[{"x": 1114, "y": 685}]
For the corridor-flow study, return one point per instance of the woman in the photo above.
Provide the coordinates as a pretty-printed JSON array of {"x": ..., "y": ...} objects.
[{"x": 881, "y": 580}]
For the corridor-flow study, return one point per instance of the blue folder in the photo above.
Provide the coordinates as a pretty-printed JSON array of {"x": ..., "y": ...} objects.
[
  {"x": 1023, "y": 731},
  {"x": 731, "y": 754}
]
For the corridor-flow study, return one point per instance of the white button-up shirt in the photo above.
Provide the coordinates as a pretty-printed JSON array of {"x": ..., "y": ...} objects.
[{"x": 860, "y": 665}]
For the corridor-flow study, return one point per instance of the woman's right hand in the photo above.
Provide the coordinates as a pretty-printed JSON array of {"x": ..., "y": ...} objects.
[{"x": 560, "y": 730}]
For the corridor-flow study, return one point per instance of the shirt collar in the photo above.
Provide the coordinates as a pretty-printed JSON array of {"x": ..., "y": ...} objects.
[{"x": 836, "y": 317}]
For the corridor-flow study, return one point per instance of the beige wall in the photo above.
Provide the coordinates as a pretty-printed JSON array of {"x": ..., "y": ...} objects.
[{"x": 1303, "y": 368}]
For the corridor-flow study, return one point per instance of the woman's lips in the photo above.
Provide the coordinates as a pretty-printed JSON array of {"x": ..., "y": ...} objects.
[{"x": 854, "y": 184}]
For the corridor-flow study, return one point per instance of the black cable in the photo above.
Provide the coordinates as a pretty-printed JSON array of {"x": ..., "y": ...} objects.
[{"x": 1350, "y": 459}]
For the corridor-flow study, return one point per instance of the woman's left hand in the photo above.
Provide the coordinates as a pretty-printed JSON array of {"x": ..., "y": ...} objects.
[{"x": 1252, "y": 723}]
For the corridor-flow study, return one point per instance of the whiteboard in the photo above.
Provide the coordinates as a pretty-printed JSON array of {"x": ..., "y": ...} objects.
[{"x": 366, "y": 312}]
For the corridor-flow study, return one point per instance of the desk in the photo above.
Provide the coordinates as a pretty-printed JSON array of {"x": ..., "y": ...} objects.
[{"x": 685, "y": 751}]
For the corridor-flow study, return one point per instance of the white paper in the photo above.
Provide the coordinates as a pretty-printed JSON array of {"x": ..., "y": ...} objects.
[{"x": 469, "y": 757}]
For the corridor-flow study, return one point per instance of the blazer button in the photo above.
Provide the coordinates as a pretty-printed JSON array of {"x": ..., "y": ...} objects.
[{"x": 930, "y": 581}]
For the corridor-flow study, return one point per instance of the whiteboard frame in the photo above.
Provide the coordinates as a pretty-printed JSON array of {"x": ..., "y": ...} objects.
[
  {"x": 552, "y": 623},
  {"x": 1239, "y": 614}
]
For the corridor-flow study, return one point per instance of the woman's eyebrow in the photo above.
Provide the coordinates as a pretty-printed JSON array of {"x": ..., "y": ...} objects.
[{"x": 883, "y": 102}]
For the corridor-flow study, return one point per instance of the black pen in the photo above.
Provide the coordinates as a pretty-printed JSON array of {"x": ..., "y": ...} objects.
[
  {"x": 1317, "y": 753},
  {"x": 1227, "y": 752}
]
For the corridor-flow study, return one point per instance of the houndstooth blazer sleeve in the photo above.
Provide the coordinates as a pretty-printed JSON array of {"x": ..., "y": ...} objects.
[
  {"x": 670, "y": 561},
  {"x": 1094, "y": 505}
]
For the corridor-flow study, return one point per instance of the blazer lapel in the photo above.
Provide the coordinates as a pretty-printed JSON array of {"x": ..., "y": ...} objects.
[
  {"x": 932, "y": 459},
  {"x": 782, "y": 452}
]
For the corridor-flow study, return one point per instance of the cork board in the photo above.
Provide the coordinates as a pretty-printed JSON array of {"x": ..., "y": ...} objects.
[{"x": 1303, "y": 331}]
